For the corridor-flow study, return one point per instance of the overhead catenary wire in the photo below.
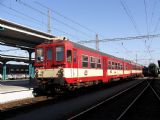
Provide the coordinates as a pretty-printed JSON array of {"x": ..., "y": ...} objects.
[
  {"x": 128, "y": 12},
  {"x": 122, "y": 39},
  {"x": 61, "y": 22},
  {"x": 15, "y": 15},
  {"x": 150, "y": 24},
  {"x": 157, "y": 23},
  {"x": 153, "y": 13},
  {"x": 130, "y": 20},
  {"x": 31, "y": 18},
  {"x": 73, "y": 21},
  {"x": 53, "y": 18},
  {"x": 146, "y": 18}
]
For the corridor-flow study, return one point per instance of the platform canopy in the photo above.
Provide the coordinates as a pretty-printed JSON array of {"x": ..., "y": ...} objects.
[
  {"x": 14, "y": 58},
  {"x": 16, "y": 35}
]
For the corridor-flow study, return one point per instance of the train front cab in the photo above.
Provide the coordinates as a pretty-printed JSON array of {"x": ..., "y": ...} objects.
[{"x": 51, "y": 61}]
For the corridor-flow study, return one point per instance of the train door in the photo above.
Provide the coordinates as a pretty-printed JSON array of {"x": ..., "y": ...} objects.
[
  {"x": 123, "y": 68},
  {"x": 49, "y": 57},
  {"x": 70, "y": 62},
  {"x": 105, "y": 69},
  {"x": 75, "y": 63}
]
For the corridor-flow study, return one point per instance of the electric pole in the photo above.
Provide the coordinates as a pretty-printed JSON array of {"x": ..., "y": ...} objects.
[
  {"x": 136, "y": 58},
  {"x": 97, "y": 42},
  {"x": 49, "y": 21}
]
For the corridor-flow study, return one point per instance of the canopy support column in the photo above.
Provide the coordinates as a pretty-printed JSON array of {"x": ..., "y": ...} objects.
[
  {"x": 4, "y": 72},
  {"x": 30, "y": 66}
]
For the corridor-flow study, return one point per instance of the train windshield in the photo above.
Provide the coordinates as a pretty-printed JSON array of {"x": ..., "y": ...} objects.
[
  {"x": 39, "y": 55},
  {"x": 59, "y": 53},
  {"x": 49, "y": 54}
]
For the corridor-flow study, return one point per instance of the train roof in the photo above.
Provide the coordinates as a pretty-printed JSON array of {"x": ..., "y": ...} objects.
[
  {"x": 62, "y": 39},
  {"x": 101, "y": 53},
  {"x": 93, "y": 50}
]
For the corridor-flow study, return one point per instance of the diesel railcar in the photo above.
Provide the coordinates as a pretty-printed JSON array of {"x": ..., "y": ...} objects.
[{"x": 61, "y": 64}]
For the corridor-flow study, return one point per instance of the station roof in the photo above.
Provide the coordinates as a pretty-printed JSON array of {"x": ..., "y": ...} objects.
[
  {"x": 14, "y": 58},
  {"x": 16, "y": 35}
]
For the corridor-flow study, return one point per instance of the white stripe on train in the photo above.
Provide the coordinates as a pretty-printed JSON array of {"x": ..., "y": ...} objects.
[{"x": 74, "y": 72}]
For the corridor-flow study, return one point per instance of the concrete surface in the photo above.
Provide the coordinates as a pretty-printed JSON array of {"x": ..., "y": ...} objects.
[{"x": 13, "y": 93}]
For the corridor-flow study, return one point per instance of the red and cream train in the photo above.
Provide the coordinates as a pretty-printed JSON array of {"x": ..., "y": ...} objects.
[{"x": 61, "y": 64}]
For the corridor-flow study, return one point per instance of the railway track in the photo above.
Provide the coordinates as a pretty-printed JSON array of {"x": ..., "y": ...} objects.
[
  {"x": 145, "y": 106},
  {"x": 124, "y": 105},
  {"x": 31, "y": 101},
  {"x": 58, "y": 105}
]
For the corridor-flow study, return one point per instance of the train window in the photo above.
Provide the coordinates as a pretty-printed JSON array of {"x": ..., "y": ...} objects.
[
  {"x": 39, "y": 55},
  {"x": 98, "y": 63},
  {"x": 120, "y": 67},
  {"x": 126, "y": 67},
  {"x": 84, "y": 61},
  {"x": 113, "y": 65},
  {"x": 12, "y": 69},
  {"x": 116, "y": 66},
  {"x": 49, "y": 54},
  {"x": 92, "y": 62},
  {"x": 59, "y": 53},
  {"x": 109, "y": 65},
  {"x": 75, "y": 56},
  {"x": 69, "y": 55}
]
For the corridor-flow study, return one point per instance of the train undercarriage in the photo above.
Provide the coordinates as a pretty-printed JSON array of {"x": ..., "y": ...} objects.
[{"x": 56, "y": 86}]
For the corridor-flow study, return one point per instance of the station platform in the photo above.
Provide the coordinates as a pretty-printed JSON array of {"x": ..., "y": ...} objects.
[
  {"x": 10, "y": 93},
  {"x": 18, "y": 82}
]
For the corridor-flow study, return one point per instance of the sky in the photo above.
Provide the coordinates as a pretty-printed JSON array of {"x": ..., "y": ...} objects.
[{"x": 80, "y": 20}]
